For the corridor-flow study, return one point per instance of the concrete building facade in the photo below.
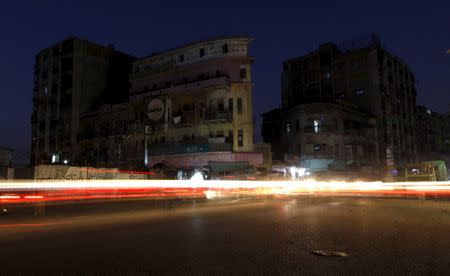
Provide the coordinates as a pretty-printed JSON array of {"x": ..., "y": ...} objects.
[
  {"x": 72, "y": 77},
  {"x": 322, "y": 136},
  {"x": 194, "y": 100},
  {"x": 434, "y": 135},
  {"x": 365, "y": 75}
]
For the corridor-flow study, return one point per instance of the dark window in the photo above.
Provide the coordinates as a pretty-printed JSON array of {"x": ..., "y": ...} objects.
[
  {"x": 44, "y": 74},
  {"x": 243, "y": 73},
  {"x": 220, "y": 105},
  {"x": 297, "y": 125},
  {"x": 240, "y": 138},
  {"x": 359, "y": 92},
  {"x": 66, "y": 64},
  {"x": 66, "y": 82},
  {"x": 230, "y": 104},
  {"x": 239, "y": 105},
  {"x": 202, "y": 52},
  {"x": 181, "y": 58},
  {"x": 225, "y": 48},
  {"x": 339, "y": 94}
]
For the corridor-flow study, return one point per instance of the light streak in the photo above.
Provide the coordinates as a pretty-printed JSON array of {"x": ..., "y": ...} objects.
[{"x": 38, "y": 191}]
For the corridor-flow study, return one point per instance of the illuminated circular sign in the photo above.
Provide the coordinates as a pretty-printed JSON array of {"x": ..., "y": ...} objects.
[{"x": 155, "y": 109}]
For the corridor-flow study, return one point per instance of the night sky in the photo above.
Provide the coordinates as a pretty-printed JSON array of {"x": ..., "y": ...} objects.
[{"x": 418, "y": 33}]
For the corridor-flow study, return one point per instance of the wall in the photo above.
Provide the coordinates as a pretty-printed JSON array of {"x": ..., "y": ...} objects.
[
  {"x": 202, "y": 159},
  {"x": 51, "y": 172}
]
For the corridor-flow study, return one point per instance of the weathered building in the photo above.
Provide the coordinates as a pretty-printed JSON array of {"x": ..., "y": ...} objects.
[
  {"x": 367, "y": 76},
  {"x": 70, "y": 78},
  {"x": 322, "y": 136},
  {"x": 193, "y": 104},
  {"x": 433, "y": 135},
  {"x": 103, "y": 136}
]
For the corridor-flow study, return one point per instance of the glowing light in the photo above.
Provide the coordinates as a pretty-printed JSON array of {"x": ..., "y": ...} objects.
[
  {"x": 33, "y": 197},
  {"x": 197, "y": 176},
  {"x": 9, "y": 197},
  {"x": 29, "y": 192}
]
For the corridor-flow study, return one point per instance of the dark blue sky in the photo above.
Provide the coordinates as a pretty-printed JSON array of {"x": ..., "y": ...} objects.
[{"x": 417, "y": 32}]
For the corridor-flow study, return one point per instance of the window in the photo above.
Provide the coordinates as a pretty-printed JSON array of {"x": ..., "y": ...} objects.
[
  {"x": 225, "y": 48},
  {"x": 230, "y": 104},
  {"x": 316, "y": 124},
  {"x": 327, "y": 75},
  {"x": 297, "y": 125},
  {"x": 240, "y": 138},
  {"x": 320, "y": 147},
  {"x": 66, "y": 82},
  {"x": 288, "y": 128},
  {"x": 239, "y": 105},
  {"x": 339, "y": 94},
  {"x": 181, "y": 58},
  {"x": 359, "y": 92},
  {"x": 44, "y": 74},
  {"x": 243, "y": 73},
  {"x": 202, "y": 52}
]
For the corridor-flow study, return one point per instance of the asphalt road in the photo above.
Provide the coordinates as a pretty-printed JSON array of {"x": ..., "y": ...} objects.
[{"x": 268, "y": 236}]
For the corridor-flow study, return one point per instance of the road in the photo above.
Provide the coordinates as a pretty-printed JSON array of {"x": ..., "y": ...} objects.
[{"x": 273, "y": 235}]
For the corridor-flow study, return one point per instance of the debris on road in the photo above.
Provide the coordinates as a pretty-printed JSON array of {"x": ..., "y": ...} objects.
[{"x": 329, "y": 253}]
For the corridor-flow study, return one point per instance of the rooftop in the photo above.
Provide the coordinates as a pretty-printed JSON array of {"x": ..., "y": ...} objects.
[{"x": 211, "y": 39}]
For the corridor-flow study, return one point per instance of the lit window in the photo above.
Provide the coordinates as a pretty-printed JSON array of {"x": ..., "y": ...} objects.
[
  {"x": 316, "y": 124},
  {"x": 288, "y": 128}
]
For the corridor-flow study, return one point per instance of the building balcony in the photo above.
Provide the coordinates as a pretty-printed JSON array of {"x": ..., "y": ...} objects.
[
  {"x": 218, "y": 116},
  {"x": 186, "y": 86}
]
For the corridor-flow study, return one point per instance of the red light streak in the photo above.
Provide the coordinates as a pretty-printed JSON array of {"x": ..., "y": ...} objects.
[{"x": 48, "y": 191}]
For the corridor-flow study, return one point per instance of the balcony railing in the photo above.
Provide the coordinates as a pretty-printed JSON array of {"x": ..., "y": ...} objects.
[
  {"x": 218, "y": 116},
  {"x": 189, "y": 85}
]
